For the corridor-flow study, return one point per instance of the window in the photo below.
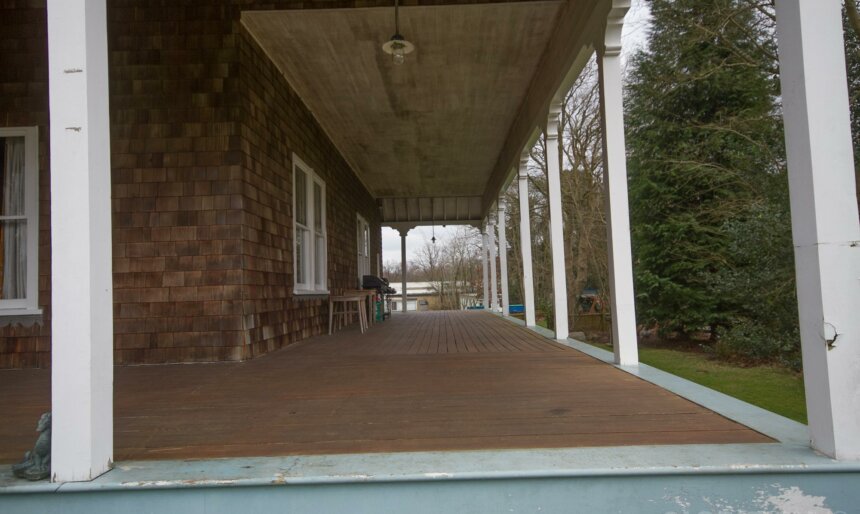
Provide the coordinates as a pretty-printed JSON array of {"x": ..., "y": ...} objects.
[
  {"x": 363, "y": 245},
  {"x": 309, "y": 230},
  {"x": 19, "y": 221}
]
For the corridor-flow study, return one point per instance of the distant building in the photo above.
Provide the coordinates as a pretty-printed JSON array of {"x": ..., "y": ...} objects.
[
  {"x": 424, "y": 296},
  {"x": 420, "y": 296}
]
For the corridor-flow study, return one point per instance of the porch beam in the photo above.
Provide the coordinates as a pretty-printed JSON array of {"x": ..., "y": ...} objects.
[
  {"x": 568, "y": 51},
  {"x": 556, "y": 223},
  {"x": 485, "y": 243},
  {"x": 491, "y": 240},
  {"x": 81, "y": 279},
  {"x": 610, "y": 76},
  {"x": 526, "y": 239},
  {"x": 503, "y": 255},
  {"x": 824, "y": 216}
]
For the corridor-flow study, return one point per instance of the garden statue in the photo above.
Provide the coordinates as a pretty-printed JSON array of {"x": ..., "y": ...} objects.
[{"x": 37, "y": 463}]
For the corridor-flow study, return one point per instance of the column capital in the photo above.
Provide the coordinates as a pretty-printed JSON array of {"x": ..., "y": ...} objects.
[
  {"x": 503, "y": 205},
  {"x": 608, "y": 41},
  {"x": 403, "y": 228},
  {"x": 523, "y": 171},
  {"x": 552, "y": 120}
]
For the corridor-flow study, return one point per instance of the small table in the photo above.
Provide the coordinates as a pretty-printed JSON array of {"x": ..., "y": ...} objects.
[
  {"x": 357, "y": 297},
  {"x": 368, "y": 295}
]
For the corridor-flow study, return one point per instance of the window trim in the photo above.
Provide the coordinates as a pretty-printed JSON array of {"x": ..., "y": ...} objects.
[
  {"x": 29, "y": 305},
  {"x": 361, "y": 226},
  {"x": 311, "y": 287}
]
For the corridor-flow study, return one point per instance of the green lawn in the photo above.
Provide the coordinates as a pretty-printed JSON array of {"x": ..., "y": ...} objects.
[{"x": 775, "y": 389}]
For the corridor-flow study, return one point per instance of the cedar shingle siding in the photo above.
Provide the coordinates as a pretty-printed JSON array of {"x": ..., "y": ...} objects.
[{"x": 203, "y": 128}]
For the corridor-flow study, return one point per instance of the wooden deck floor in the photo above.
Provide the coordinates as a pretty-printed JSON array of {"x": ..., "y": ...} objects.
[{"x": 423, "y": 381}]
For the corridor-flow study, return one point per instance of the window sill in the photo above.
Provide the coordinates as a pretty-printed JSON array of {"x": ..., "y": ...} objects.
[
  {"x": 310, "y": 293},
  {"x": 23, "y": 317}
]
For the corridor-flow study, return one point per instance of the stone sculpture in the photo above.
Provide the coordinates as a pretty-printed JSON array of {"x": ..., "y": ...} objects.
[{"x": 37, "y": 462}]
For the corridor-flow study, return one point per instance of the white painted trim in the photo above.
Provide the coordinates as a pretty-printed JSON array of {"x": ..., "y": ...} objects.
[
  {"x": 526, "y": 240},
  {"x": 503, "y": 255},
  {"x": 622, "y": 297},
  {"x": 494, "y": 278},
  {"x": 81, "y": 246},
  {"x": 404, "y": 303},
  {"x": 824, "y": 218},
  {"x": 311, "y": 292},
  {"x": 310, "y": 287},
  {"x": 30, "y": 304},
  {"x": 556, "y": 225},
  {"x": 485, "y": 268},
  {"x": 362, "y": 224}
]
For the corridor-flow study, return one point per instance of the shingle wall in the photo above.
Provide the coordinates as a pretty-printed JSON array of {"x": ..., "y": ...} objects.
[
  {"x": 276, "y": 125},
  {"x": 202, "y": 132},
  {"x": 24, "y": 102}
]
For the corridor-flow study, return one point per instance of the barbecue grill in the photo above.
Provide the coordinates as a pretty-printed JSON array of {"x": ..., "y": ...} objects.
[{"x": 383, "y": 291}]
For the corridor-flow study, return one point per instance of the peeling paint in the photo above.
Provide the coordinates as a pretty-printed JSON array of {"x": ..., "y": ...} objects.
[
  {"x": 174, "y": 483},
  {"x": 721, "y": 506},
  {"x": 681, "y": 501},
  {"x": 793, "y": 499},
  {"x": 438, "y": 475},
  {"x": 744, "y": 467}
]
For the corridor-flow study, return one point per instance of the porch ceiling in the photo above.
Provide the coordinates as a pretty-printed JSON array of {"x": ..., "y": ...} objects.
[{"x": 433, "y": 127}]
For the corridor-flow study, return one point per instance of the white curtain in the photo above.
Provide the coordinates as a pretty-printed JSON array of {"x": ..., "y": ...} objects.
[{"x": 14, "y": 232}]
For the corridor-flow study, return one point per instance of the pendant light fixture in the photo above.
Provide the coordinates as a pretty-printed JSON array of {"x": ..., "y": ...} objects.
[
  {"x": 397, "y": 46},
  {"x": 434, "y": 234}
]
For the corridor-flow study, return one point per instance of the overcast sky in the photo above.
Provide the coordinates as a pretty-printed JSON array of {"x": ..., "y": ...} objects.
[{"x": 635, "y": 33}]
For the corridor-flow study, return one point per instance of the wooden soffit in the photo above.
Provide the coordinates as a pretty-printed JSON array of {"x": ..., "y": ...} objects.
[{"x": 433, "y": 127}]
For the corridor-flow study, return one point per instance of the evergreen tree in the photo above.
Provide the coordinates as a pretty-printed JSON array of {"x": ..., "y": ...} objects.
[
  {"x": 705, "y": 144},
  {"x": 851, "y": 24}
]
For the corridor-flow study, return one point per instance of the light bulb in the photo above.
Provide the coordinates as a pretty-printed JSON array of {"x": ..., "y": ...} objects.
[{"x": 397, "y": 56}]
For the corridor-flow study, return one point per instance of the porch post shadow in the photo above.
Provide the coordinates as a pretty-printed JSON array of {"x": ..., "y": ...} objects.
[
  {"x": 526, "y": 239},
  {"x": 623, "y": 308},
  {"x": 81, "y": 280},
  {"x": 824, "y": 218}
]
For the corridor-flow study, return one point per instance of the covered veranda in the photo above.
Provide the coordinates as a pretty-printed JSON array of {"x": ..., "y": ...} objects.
[
  {"x": 431, "y": 381},
  {"x": 521, "y": 391}
]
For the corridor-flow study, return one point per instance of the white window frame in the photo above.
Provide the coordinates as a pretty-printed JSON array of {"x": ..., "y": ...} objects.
[
  {"x": 30, "y": 304},
  {"x": 313, "y": 262},
  {"x": 363, "y": 250}
]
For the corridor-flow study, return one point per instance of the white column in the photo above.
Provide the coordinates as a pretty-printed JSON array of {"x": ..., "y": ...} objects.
[
  {"x": 503, "y": 256},
  {"x": 403, "y": 233},
  {"x": 526, "y": 240},
  {"x": 824, "y": 218},
  {"x": 491, "y": 241},
  {"x": 623, "y": 308},
  {"x": 485, "y": 268},
  {"x": 556, "y": 223},
  {"x": 81, "y": 283}
]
